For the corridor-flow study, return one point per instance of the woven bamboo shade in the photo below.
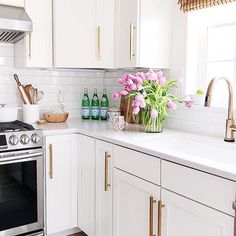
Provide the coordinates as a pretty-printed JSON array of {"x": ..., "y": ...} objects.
[{"x": 191, "y": 5}]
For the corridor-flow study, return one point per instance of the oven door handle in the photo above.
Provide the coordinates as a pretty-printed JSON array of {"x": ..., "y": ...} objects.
[{"x": 19, "y": 158}]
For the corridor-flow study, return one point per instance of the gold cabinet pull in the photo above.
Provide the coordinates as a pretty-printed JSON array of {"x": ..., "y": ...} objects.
[
  {"x": 131, "y": 41},
  {"x": 107, "y": 185},
  {"x": 30, "y": 45},
  {"x": 99, "y": 43},
  {"x": 50, "y": 161},
  {"x": 151, "y": 204},
  {"x": 160, "y": 206},
  {"x": 234, "y": 207}
]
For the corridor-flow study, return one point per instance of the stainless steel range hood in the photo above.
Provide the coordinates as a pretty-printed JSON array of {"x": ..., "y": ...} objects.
[{"x": 14, "y": 23}]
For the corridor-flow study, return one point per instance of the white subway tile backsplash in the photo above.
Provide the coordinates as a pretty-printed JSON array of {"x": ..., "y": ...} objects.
[{"x": 72, "y": 83}]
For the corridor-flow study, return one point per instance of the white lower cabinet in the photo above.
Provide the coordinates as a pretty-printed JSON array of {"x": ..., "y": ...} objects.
[
  {"x": 104, "y": 187},
  {"x": 61, "y": 183},
  {"x": 184, "y": 217},
  {"x": 135, "y": 205},
  {"x": 86, "y": 185}
]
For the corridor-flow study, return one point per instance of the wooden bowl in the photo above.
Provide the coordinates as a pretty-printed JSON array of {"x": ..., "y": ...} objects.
[{"x": 55, "y": 117}]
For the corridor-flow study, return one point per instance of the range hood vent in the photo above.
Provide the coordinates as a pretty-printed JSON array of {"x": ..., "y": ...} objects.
[{"x": 14, "y": 23}]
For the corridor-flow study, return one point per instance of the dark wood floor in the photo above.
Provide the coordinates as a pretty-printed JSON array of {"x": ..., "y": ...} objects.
[{"x": 78, "y": 234}]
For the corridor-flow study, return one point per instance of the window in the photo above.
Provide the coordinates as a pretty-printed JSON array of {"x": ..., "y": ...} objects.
[{"x": 211, "y": 50}]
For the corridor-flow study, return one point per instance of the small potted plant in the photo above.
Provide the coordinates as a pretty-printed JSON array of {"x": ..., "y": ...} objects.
[
  {"x": 198, "y": 98},
  {"x": 151, "y": 97}
]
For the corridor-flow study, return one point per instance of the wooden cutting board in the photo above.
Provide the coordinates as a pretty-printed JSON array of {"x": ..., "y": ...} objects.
[{"x": 126, "y": 111}]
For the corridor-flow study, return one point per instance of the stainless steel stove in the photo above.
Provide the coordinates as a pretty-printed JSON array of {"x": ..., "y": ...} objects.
[{"x": 21, "y": 180}]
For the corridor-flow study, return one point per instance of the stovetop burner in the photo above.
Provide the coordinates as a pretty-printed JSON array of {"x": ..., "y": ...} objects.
[{"x": 15, "y": 126}]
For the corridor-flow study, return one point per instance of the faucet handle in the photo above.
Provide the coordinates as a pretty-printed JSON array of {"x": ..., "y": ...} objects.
[{"x": 233, "y": 128}]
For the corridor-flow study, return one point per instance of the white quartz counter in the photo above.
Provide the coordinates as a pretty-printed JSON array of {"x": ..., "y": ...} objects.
[{"x": 204, "y": 153}]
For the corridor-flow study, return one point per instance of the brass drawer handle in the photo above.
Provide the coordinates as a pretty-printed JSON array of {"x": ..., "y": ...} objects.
[
  {"x": 160, "y": 206},
  {"x": 131, "y": 41},
  {"x": 30, "y": 45},
  {"x": 107, "y": 185},
  {"x": 50, "y": 161},
  {"x": 151, "y": 204},
  {"x": 99, "y": 43}
]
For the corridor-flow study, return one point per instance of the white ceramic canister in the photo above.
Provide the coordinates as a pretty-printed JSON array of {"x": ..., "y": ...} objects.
[{"x": 30, "y": 113}]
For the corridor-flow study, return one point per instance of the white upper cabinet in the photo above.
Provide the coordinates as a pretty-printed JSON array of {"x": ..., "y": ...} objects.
[
  {"x": 16, "y": 3},
  {"x": 143, "y": 33},
  {"x": 105, "y": 33},
  {"x": 83, "y": 33},
  {"x": 35, "y": 50}
]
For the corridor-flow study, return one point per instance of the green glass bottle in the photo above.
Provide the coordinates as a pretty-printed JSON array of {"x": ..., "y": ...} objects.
[
  {"x": 95, "y": 106},
  {"x": 86, "y": 105},
  {"x": 104, "y": 105}
]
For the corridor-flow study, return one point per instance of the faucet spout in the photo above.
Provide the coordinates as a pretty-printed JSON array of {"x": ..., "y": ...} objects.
[{"x": 230, "y": 124}]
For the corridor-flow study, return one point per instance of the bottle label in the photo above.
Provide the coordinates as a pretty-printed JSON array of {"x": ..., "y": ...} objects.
[
  {"x": 103, "y": 112},
  {"x": 104, "y": 99},
  {"x": 95, "y": 98},
  {"x": 95, "y": 111},
  {"x": 85, "y": 98},
  {"x": 85, "y": 112}
]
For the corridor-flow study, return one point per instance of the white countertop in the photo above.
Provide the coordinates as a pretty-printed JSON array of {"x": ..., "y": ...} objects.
[{"x": 208, "y": 154}]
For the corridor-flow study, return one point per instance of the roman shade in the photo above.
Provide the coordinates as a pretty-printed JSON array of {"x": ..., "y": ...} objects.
[{"x": 191, "y": 5}]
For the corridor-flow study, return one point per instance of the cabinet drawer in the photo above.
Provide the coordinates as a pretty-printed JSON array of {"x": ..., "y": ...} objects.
[
  {"x": 205, "y": 188},
  {"x": 136, "y": 163}
]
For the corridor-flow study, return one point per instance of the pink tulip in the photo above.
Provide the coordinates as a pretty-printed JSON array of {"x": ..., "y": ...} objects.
[
  {"x": 135, "y": 103},
  {"x": 139, "y": 87},
  {"x": 132, "y": 87},
  {"x": 171, "y": 105},
  {"x": 189, "y": 104},
  {"x": 129, "y": 81},
  {"x": 136, "y": 110},
  {"x": 140, "y": 76},
  {"x": 154, "y": 113},
  {"x": 124, "y": 92},
  {"x": 116, "y": 95},
  {"x": 139, "y": 98},
  {"x": 151, "y": 75},
  {"x": 162, "y": 80}
]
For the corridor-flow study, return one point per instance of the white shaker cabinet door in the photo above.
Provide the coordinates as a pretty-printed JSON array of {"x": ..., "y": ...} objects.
[
  {"x": 35, "y": 50},
  {"x": 184, "y": 217},
  {"x": 105, "y": 29},
  {"x": 86, "y": 185},
  {"x": 61, "y": 183},
  {"x": 104, "y": 187},
  {"x": 74, "y": 33},
  {"x": 126, "y": 34},
  {"x": 135, "y": 205}
]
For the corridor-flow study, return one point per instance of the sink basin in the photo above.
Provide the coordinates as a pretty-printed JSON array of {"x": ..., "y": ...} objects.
[{"x": 197, "y": 147}]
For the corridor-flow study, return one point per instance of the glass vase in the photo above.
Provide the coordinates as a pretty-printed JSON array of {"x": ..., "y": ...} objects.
[{"x": 152, "y": 125}]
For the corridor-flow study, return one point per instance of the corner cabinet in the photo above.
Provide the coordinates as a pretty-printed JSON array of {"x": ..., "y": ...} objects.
[
  {"x": 83, "y": 34},
  {"x": 143, "y": 33},
  {"x": 35, "y": 50},
  {"x": 104, "y": 187},
  {"x": 61, "y": 183},
  {"x": 86, "y": 184}
]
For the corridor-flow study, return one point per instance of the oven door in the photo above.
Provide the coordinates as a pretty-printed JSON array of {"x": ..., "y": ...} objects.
[{"x": 21, "y": 192}]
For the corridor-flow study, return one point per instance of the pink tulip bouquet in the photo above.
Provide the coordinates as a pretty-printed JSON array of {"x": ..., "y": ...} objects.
[{"x": 151, "y": 97}]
